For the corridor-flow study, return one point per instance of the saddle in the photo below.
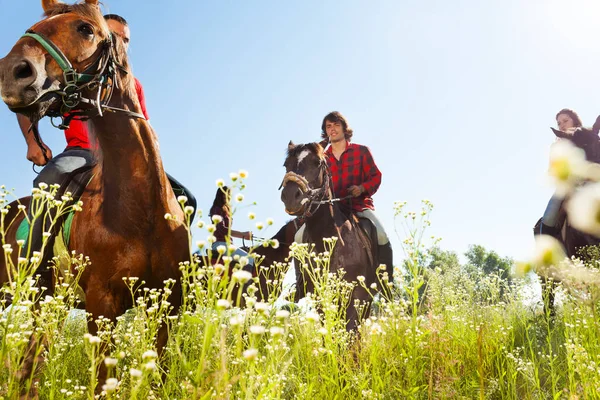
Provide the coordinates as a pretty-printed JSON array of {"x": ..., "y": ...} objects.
[
  {"x": 75, "y": 183},
  {"x": 369, "y": 234}
]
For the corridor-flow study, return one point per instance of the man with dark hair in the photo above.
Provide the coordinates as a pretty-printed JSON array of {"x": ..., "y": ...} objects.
[
  {"x": 354, "y": 173},
  {"x": 78, "y": 152}
]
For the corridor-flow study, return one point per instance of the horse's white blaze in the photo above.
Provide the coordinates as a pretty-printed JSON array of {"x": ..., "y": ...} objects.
[{"x": 302, "y": 156}]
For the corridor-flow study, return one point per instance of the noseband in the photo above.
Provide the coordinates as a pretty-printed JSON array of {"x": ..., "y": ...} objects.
[{"x": 314, "y": 196}]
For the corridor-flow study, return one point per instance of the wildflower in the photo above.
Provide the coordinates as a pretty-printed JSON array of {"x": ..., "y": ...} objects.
[
  {"x": 567, "y": 166},
  {"x": 216, "y": 219},
  {"x": 200, "y": 224},
  {"x": 220, "y": 183},
  {"x": 548, "y": 251},
  {"x": 322, "y": 331},
  {"x": 93, "y": 339},
  {"x": 223, "y": 304},
  {"x": 189, "y": 210},
  {"x": 250, "y": 354},
  {"x": 211, "y": 239},
  {"x": 182, "y": 199},
  {"x": 282, "y": 314},
  {"x": 149, "y": 354},
  {"x": 251, "y": 216},
  {"x": 110, "y": 362},
  {"x": 242, "y": 276},
  {"x": 243, "y": 261},
  {"x": 221, "y": 249},
  {"x": 360, "y": 278},
  {"x": 375, "y": 329},
  {"x": 233, "y": 176},
  {"x": 200, "y": 244},
  {"x": 257, "y": 330},
  {"x": 274, "y": 243},
  {"x": 522, "y": 268},
  {"x": 219, "y": 268},
  {"x": 135, "y": 373},
  {"x": 243, "y": 173},
  {"x": 239, "y": 197},
  {"x": 168, "y": 216},
  {"x": 312, "y": 316},
  {"x": 583, "y": 209},
  {"x": 21, "y": 207},
  {"x": 259, "y": 226},
  {"x": 111, "y": 385},
  {"x": 276, "y": 331},
  {"x": 270, "y": 221},
  {"x": 211, "y": 228},
  {"x": 261, "y": 307},
  {"x": 150, "y": 365},
  {"x": 236, "y": 320}
]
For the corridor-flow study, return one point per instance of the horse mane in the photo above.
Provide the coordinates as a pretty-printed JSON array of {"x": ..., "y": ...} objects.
[
  {"x": 314, "y": 148},
  {"x": 93, "y": 13}
]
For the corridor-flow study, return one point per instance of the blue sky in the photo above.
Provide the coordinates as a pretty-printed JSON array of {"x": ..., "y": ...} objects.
[{"x": 454, "y": 98}]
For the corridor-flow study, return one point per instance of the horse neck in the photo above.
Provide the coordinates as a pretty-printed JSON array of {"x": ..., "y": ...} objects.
[{"x": 132, "y": 173}]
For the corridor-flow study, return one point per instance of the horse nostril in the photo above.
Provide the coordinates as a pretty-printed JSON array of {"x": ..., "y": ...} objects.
[{"x": 23, "y": 70}]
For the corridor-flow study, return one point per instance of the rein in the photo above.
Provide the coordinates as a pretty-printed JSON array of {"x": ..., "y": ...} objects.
[
  {"x": 323, "y": 192},
  {"x": 100, "y": 75}
]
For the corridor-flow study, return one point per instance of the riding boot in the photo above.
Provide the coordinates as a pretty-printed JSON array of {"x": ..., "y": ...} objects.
[{"x": 386, "y": 256}]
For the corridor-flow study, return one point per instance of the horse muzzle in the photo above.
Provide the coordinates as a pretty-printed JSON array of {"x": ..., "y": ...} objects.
[{"x": 24, "y": 84}]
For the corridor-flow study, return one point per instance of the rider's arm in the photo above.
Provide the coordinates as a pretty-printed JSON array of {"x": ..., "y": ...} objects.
[
  {"x": 139, "y": 89},
  {"x": 371, "y": 174},
  {"x": 35, "y": 153},
  {"x": 241, "y": 235}
]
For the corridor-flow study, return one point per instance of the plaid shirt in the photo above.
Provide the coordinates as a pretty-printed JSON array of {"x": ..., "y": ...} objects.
[{"x": 355, "y": 167}]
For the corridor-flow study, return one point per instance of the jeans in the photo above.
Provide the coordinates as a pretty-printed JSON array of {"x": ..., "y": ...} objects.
[{"x": 236, "y": 252}]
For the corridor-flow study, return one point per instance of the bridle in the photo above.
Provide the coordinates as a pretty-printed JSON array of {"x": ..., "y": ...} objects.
[
  {"x": 100, "y": 75},
  {"x": 315, "y": 197}
]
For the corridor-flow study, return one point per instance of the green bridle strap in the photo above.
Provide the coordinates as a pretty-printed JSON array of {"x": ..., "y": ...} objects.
[{"x": 71, "y": 76}]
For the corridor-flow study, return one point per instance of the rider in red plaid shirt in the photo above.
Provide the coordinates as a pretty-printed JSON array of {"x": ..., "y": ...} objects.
[{"x": 355, "y": 173}]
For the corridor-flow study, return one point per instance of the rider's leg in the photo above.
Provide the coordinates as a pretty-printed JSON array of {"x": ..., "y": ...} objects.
[
  {"x": 552, "y": 218},
  {"x": 181, "y": 190},
  {"x": 55, "y": 172},
  {"x": 386, "y": 254},
  {"x": 237, "y": 252}
]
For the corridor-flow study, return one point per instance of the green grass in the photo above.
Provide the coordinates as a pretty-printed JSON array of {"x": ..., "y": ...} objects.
[{"x": 443, "y": 335}]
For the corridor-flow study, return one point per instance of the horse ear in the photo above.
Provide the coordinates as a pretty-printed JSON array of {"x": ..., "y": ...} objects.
[
  {"x": 48, "y": 4},
  {"x": 92, "y": 2},
  {"x": 291, "y": 145},
  {"x": 324, "y": 143}
]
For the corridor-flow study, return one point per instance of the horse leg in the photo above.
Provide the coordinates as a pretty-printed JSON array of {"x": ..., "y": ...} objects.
[
  {"x": 102, "y": 301},
  {"x": 163, "y": 332},
  {"x": 356, "y": 312},
  {"x": 548, "y": 287}
]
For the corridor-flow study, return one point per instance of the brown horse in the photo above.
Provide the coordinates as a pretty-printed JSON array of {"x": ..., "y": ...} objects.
[
  {"x": 122, "y": 227},
  {"x": 307, "y": 192}
]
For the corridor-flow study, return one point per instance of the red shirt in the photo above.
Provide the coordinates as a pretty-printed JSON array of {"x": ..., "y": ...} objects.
[
  {"x": 355, "y": 167},
  {"x": 77, "y": 133}
]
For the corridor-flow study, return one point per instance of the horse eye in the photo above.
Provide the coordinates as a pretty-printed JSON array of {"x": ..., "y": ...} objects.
[{"x": 86, "y": 29}]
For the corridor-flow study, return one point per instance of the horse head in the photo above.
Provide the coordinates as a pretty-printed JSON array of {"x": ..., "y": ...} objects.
[
  {"x": 306, "y": 177},
  {"x": 68, "y": 55}
]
